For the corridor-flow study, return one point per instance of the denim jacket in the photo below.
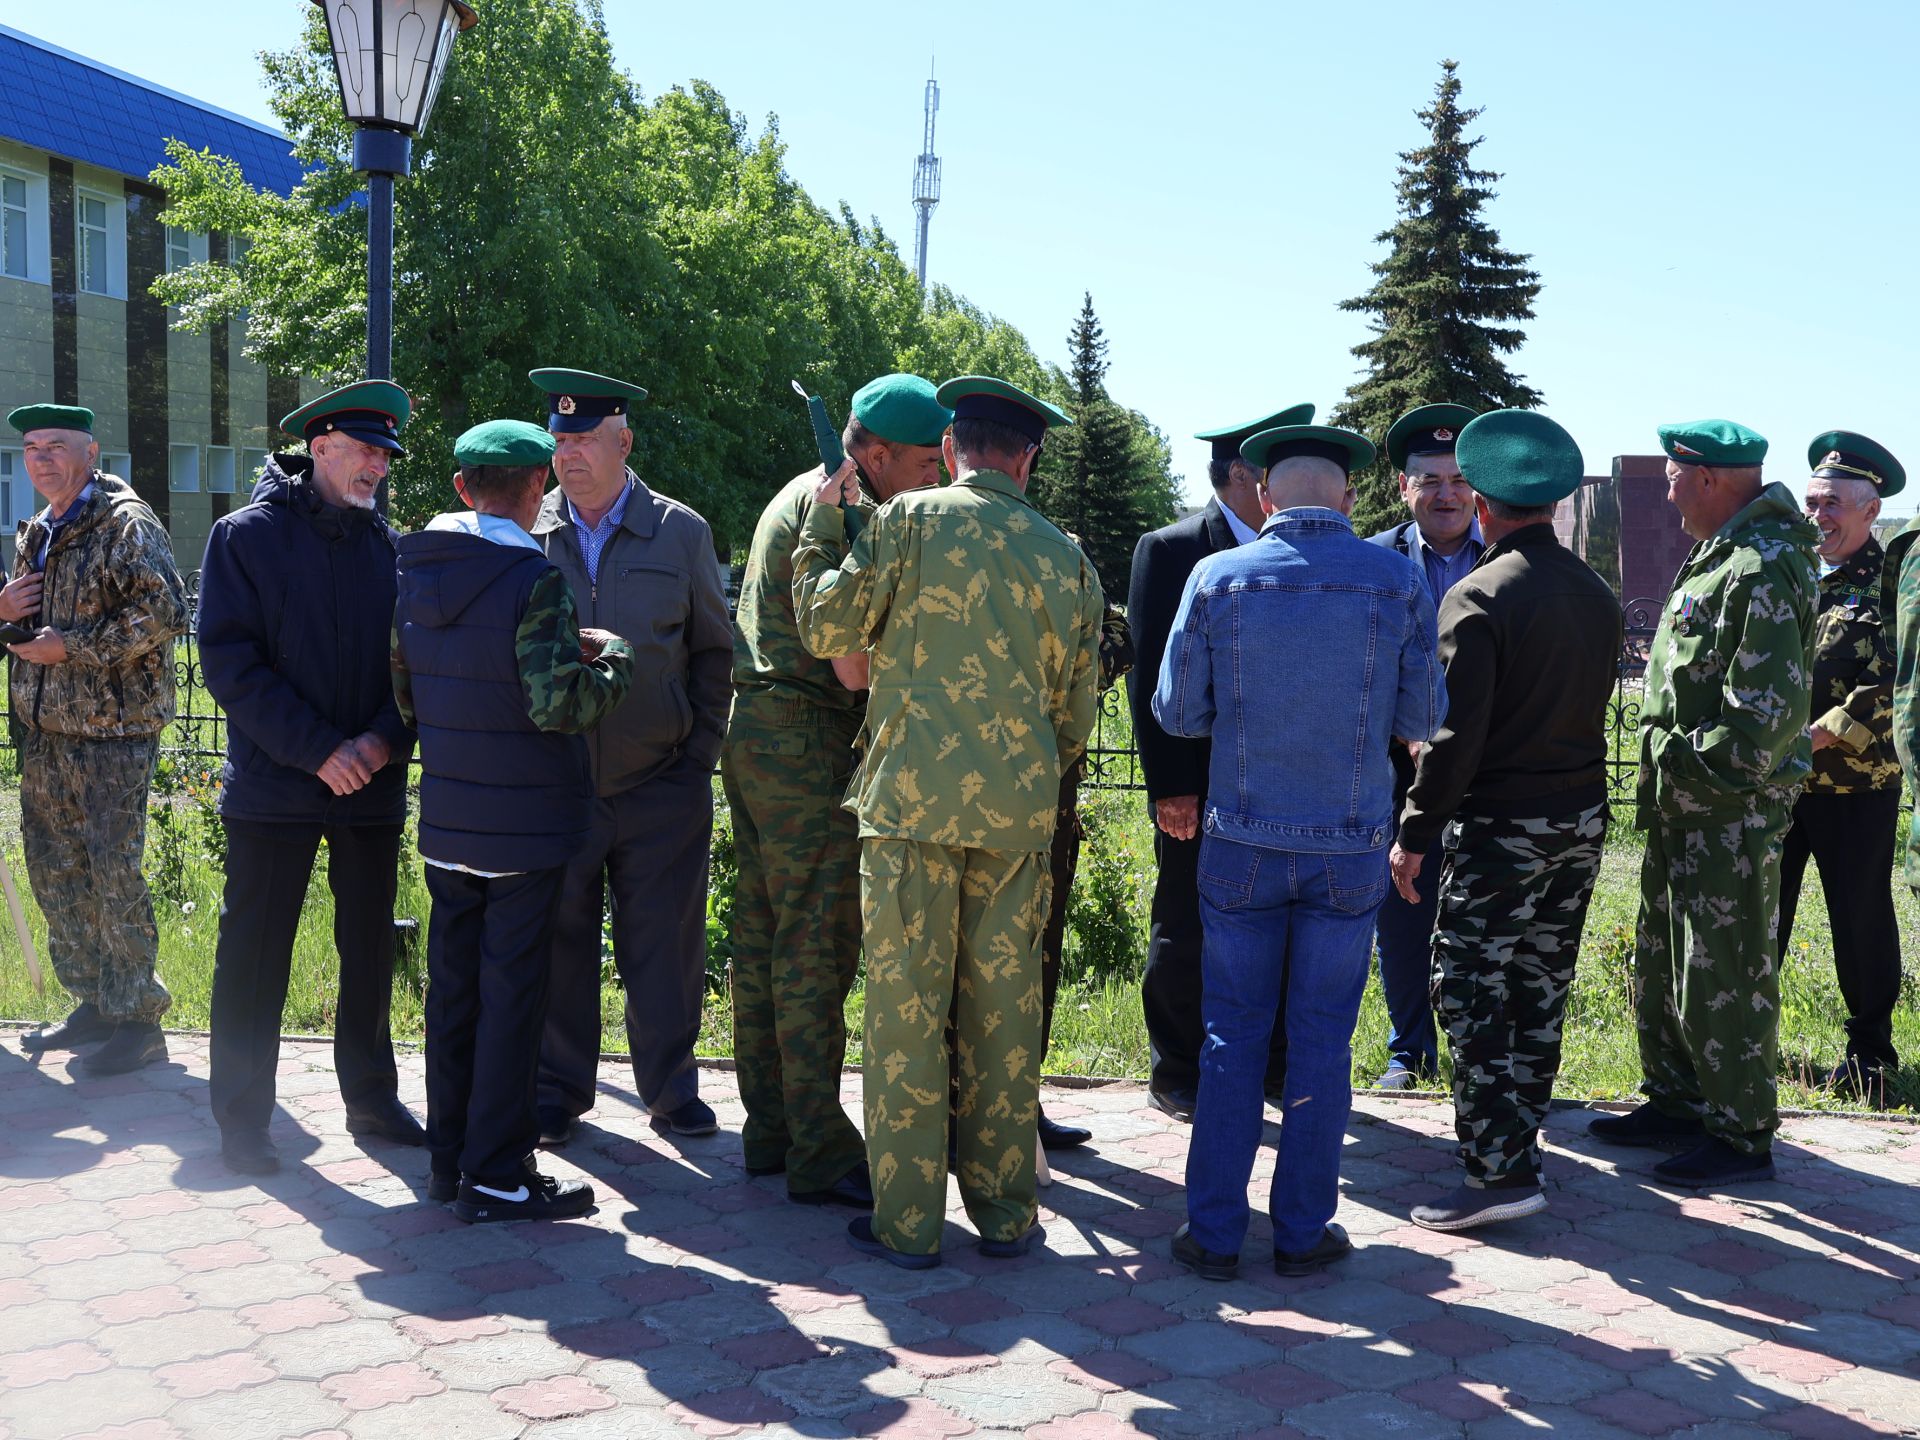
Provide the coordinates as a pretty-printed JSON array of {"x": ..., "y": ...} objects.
[{"x": 1302, "y": 654}]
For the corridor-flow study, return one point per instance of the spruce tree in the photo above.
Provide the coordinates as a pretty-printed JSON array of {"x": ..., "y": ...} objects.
[{"x": 1446, "y": 302}]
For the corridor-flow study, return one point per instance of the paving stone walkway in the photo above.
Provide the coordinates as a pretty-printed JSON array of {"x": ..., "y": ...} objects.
[{"x": 146, "y": 1293}]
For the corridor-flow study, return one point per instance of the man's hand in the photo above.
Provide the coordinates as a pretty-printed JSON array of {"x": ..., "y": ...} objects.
[
  {"x": 21, "y": 597},
  {"x": 47, "y": 647},
  {"x": 1822, "y": 738},
  {"x": 1414, "y": 747},
  {"x": 1178, "y": 816},
  {"x": 1406, "y": 870},
  {"x": 851, "y": 671},
  {"x": 840, "y": 488},
  {"x": 374, "y": 750},
  {"x": 345, "y": 771},
  {"x": 593, "y": 643}
]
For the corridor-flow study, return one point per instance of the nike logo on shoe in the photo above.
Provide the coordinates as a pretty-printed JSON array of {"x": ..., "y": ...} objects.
[{"x": 511, "y": 1197}]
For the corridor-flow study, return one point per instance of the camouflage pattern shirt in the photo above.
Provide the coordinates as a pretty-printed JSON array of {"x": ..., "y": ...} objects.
[
  {"x": 112, "y": 592},
  {"x": 984, "y": 624},
  {"x": 1853, "y": 678},
  {"x": 1723, "y": 728},
  {"x": 1900, "y": 599},
  {"x": 768, "y": 656}
]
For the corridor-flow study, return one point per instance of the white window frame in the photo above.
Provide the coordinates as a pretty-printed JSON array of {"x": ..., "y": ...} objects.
[
  {"x": 219, "y": 472},
  {"x": 114, "y": 249},
  {"x": 117, "y": 463},
  {"x": 13, "y": 476},
  {"x": 183, "y": 469},
  {"x": 39, "y": 248},
  {"x": 16, "y": 257},
  {"x": 90, "y": 245},
  {"x": 252, "y": 462},
  {"x": 184, "y": 248}
]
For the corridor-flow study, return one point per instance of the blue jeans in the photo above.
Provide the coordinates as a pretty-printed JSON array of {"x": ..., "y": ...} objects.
[
  {"x": 1309, "y": 917},
  {"x": 1406, "y": 969}
]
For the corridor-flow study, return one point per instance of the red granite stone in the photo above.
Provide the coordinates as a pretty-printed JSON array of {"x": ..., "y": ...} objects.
[
  {"x": 90, "y": 1246},
  {"x": 302, "y": 1312},
  {"x": 728, "y": 1412},
  {"x": 55, "y": 1362},
  {"x": 1455, "y": 1397},
  {"x": 657, "y": 1284},
  {"x": 439, "y": 1330},
  {"x": 1641, "y": 1411},
  {"x": 1597, "y": 1294},
  {"x": 1284, "y": 1387},
  {"x": 915, "y": 1418},
  {"x": 1108, "y": 1371},
  {"x": 553, "y": 1399},
  {"x": 226, "y": 1255},
  {"x": 1122, "y": 1316},
  {"x": 1617, "y": 1349},
  {"x": 768, "y": 1349},
  {"x": 1452, "y": 1337},
  {"x": 235, "y": 1370},
  {"x": 972, "y": 1306},
  {"x": 1788, "y": 1362},
  {"x": 145, "y": 1304},
  {"x": 373, "y": 1386},
  {"x": 502, "y": 1276}
]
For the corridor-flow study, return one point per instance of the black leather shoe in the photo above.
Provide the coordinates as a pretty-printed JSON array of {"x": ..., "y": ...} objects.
[
  {"x": 388, "y": 1119},
  {"x": 1333, "y": 1245},
  {"x": 1177, "y": 1103},
  {"x": 1055, "y": 1136},
  {"x": 556, "y": 1127},
  {"x": 133, "y": 1045},
  {"x": 534, "y": 1197},
  {"x": 1714, "y": 1163},
  {"x": 691, "y": 1120},
  {"x": 853, "y": 1188},
  {"x": 249, "y": 1152},
  {"x": 84, "y": 1026},
  {"x": 1645, "y": 1125},
  {"x": 1013, "y": 1249},
  {"x": 1207, "y": 1264},
  {"x": 442, "y": 1188},
  {"x": 861, "y": 1237}
]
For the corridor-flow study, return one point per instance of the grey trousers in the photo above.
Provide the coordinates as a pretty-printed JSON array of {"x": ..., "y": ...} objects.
[{"x": 649, "y": 846}]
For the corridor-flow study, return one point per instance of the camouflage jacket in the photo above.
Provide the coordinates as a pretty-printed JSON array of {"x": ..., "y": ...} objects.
[
  {"x": 768, "y": 657},
  {"x": 984, "y": 624},
  {"x": 1723, "y": 728},
  {"x": 1900, "y": 598},
  {"x": 1853, "y": 678},
  {"x": 114, "y": 595}
]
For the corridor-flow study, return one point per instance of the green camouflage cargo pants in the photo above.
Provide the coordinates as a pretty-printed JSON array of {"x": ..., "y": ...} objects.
[
  {"x": 83, "y": 818},
  {"x": 1707, "y": 993},
  {"x": 958, "y": 930},
  {"x": 1513, "y": 901},
  {"x": 796, "y": 933}
]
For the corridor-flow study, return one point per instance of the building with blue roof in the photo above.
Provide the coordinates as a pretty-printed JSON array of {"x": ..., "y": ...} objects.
[{"x": 186, "y": 418}]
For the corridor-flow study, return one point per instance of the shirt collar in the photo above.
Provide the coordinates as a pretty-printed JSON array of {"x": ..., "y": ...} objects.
[
  {"x": 497, "y": 528},
  {"x": 1417, "y": 546},
  {"x": 66, "y": 516},
  {"x": 1242, "y": 532},
  {"x": 609, "y": 521}
]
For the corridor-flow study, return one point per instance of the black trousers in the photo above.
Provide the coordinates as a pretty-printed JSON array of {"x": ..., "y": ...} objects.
[
  {"x": 1170, "y": 990},
  {"x": 268, "y": 867},
  {"x": 489, "y": 953},
  {"x": 1850, "y": 836},
  {"x": 650, "y": 846}
]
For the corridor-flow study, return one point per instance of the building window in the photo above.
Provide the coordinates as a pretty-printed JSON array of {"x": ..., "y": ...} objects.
[
  {"x": 183, "y": 467},
  {"x": 179, "y": 248},
  {"x": 13, "y": 225},
  {"x": 17, "y": 500},
  {"x": 90, "y": 219},
  {"x": 219, "y": 470},
  {"x": 237, "y": 247},
  {"x": 252, "y": 462},
  {"x": 118, "y": 464}
]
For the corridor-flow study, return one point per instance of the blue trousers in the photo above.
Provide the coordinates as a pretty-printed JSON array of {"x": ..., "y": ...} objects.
[
  {"x": 1406, "y": 969},
  {"x": 1274, "y": 918}
]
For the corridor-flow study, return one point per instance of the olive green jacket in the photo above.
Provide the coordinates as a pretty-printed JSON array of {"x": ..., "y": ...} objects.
[
  {"x": 984, "y": 623},
  {"x": 1723, "y": 729}
]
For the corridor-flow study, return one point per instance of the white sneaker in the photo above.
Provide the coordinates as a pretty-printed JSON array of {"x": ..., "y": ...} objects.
[{"x": 1398, "y": 1077}]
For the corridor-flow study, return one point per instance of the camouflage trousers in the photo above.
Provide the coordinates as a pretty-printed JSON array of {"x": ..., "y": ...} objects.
[
  {"x": 83, "y": 817},
  {"x": 949, "y": 929},
  {"x": 1513, "y": 901},
  {"x": 1706, "y": 990},
  {"x": 796, "y": 933}
]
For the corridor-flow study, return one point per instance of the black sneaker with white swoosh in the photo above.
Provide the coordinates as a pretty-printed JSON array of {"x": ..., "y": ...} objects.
[{"x": 534, "y": 1197}]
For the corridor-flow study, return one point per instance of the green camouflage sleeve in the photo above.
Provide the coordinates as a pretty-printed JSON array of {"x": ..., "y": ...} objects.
[
  {"x": 841, "y": 593},
  {"x": 149, "y": 606},
  {"x": 402, "y": 677},
  {"x": 565, "y": 691},
  {"x": 1083, "y": 673},
  {"x": 1764, "y": 640}
]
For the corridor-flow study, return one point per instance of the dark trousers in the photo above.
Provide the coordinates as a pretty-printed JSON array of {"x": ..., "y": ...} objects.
[
  {"x": 650, "y": 846},
  {"x": 1405, "y": 940},
  {"x": 268, "y": 867},
  {"x": 1850, "y": 837},
  {"x": 489, "y": 952},
  {"x": 1170, "y": 990}
]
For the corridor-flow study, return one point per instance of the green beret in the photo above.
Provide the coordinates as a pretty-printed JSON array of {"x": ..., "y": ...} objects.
[
  {"x": 903, "y": 409},
  {"x": 503, "y": 442},
  {"x": 1345, "y": 448},
  {"x": 1849, "y": 455},
  {"x": 981, "y": 397},
  {"x": 1713, "y": 442},
  {"x": 578, "y": 400},
  {"x": 1519, "y": 457},
  {"x": 372, "y": 411},
  {"x": 51, "y": 417},
  {"x": 1228, "y": 439},
  {"x": 1426, "y": 430}
]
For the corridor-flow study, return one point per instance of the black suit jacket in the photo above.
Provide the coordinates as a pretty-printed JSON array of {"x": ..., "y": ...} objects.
[{"x": 1162, "y": 561}]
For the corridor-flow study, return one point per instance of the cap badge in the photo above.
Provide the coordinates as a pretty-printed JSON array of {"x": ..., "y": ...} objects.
[
  {"x": 566, "y": 405},
  {"x": 1685, "y": 449},
  {"x": 1832, "y": 457},
  {"x": 1443, "y": 433}
]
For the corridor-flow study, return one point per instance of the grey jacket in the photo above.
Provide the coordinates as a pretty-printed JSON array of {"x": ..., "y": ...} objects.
[{"x": 659, "y": 589}]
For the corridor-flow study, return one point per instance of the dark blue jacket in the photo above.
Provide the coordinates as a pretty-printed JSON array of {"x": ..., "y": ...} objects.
[
  {"x": 296, "y": 609},
  {"x": 497, "y": 793}
]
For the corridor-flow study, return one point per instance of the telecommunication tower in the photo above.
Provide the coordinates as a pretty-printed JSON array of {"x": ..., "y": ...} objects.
[{"x": 926, "y": 184}]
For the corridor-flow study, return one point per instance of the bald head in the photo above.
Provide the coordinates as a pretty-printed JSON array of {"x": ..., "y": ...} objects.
[{"x": 1309, "y": 480}]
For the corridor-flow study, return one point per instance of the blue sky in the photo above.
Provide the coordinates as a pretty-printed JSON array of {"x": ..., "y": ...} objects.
[{"x": 1720, "y": 197}]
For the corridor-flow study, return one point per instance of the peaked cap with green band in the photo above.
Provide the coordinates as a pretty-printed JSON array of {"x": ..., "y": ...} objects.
[
  {"x": 1713, "y": 442},
  {"x": 1227, "y": 441},
  {"x": 1849, "y": 455},
  {"x": 51, "y": 417},
  {"x": 981, "y": 397},
  {"x": 1426, "y": 430},
  {"x": 372, "y": 411},
  {"x": 901, "y": 409},
  {"x": 1519, "y": 457},
  {"x": 579, "y": 400},
  {"x": 503, "y": 442},
  {"x": 1348, "y": 449}
]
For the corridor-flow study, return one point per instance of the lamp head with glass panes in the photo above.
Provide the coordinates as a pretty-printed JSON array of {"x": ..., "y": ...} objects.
[{"x": 390, "y": 56}]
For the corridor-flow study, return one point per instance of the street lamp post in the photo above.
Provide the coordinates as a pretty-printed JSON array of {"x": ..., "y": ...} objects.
[{"x": 390, "y": 56}]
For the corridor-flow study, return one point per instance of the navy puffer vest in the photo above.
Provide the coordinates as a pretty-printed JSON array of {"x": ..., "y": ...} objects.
[{"x": 496, "y": 793}]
